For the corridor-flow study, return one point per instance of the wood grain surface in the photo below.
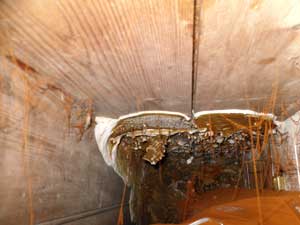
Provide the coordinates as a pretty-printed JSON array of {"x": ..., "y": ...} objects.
[
  {"x": 126, "y": 55},
  {"x": 122, "y": 56},
  {"x": 249, "y": 56}
]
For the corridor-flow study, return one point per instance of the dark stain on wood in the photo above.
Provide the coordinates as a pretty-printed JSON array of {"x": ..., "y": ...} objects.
[
  {"x": 266, "y": 61},
  {"x": 296, "y": 27},
  {"x": 22, "y": 65}
]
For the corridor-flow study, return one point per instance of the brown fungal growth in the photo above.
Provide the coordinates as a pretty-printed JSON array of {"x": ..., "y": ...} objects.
[
  {"x": 150, "y": 122},
  {"x": 155, "y": 151},
  {"x": 231, "y": 122},
  {"x": 170, "y": 161}
]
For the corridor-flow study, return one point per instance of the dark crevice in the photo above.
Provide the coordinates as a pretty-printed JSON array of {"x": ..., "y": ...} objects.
[{"x": 196, "y": 39}]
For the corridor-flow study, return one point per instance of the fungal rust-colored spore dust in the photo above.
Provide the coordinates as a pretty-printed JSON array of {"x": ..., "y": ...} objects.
[{"x": 224, "y": 166}]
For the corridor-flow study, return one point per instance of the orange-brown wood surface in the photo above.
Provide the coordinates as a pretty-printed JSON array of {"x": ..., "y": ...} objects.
[{"x": 123, "y": 56}]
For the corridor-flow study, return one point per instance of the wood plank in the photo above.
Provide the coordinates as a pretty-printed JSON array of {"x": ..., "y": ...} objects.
[
  {"x": 248, "y": 54},
  {"x": 46, "y": 171},
  {"x": 126, "y": 55}
]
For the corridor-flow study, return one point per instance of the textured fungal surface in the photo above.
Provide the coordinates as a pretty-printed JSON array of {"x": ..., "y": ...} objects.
[{"x": 167, "y": 164}]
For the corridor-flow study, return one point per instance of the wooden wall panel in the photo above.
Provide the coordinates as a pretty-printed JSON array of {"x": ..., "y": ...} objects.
[{"x": 46, "y": 171}]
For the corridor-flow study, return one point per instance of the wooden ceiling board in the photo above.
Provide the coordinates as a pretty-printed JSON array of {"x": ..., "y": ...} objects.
[
  {"x": 249, "y": 56},
  {"x": 136, "y": 55},
  {"x": 125, "y": 55}
]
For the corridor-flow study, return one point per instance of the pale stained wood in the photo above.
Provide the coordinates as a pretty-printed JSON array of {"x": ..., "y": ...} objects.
[
  {"x": 249, "y": 52},
  {"x": 46, "y": 172},
  {"x": 126, "y": 55}
]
